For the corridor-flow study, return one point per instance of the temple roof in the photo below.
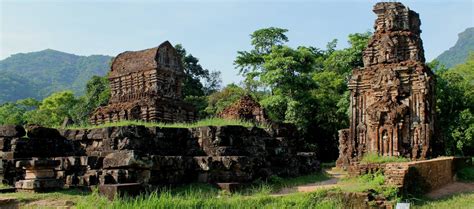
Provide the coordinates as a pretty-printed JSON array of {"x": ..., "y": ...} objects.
[{"x": 135, "y": 61}]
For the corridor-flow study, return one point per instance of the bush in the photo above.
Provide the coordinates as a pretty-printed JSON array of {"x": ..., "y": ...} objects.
[{"x": 466, "y": 174}]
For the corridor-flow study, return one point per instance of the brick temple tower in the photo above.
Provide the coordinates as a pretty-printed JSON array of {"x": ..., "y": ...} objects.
[
  {"x": 392, "y": 97},
  {"x": 146, "y": 85}
]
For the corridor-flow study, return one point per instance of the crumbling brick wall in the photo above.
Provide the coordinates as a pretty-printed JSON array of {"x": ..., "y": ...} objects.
[
  {"x": 246, "y": 109},
  {"x": 415, "y": 176}
]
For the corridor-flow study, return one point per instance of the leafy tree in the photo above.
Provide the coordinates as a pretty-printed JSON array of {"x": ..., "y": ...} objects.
[
  {"x": 53, "y": 109},
  {"x": 455, "y": 107},
  {"x": 198, "y": 82},
  {"x": 13, "y": 113},
  {"x": 195, "y": 75},
  {"x": 221, "y": 99},
  {"x": 97, "y": 94},
  {"x": 343, "y": 61},
  {"x": 250, "y": 63},
  {"x": 308, "y": 85}
]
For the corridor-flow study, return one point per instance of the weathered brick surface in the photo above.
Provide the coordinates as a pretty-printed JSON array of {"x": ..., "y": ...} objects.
[
  {"x": 419, "y": 176},
  {"x": 246, "y": 108},
  {"x": 146, "y": 85},
  {"x": 392, "y": 96}
]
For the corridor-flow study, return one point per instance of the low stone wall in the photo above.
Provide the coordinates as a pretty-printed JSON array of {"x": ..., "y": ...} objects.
[
  {"x": 149, "y": 156},
  {"x": 416, "y": 176}
]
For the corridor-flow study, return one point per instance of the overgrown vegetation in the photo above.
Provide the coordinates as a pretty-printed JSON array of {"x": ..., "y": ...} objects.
[
  {"x": 466, "y": 174},
  {"x": 373, "y": 157},
  {"x": 374, "y": 182},
  {"x": 204, "y": 199},
  {"x": 202, "y": 196},
  {"x": 200, "y": 123},
  {"x": 455, "y": 108}
]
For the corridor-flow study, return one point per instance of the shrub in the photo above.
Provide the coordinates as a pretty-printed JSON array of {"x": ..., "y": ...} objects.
[{"x": 466, "y": 174}]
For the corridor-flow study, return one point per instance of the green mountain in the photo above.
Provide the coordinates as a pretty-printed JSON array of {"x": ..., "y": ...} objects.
[
  {"x": 459, "y": 52},
  {"x": 38, "y": 74}
]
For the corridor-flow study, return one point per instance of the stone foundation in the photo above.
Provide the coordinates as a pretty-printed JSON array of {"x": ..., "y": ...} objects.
[{"x": 227, "y": 155}]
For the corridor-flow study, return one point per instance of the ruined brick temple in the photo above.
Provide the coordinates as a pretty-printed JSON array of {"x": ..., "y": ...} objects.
[
  {"x": 146, "y": 85},
  {"x": 246, "y": 109},
  {"x": 392, "y": 96}
]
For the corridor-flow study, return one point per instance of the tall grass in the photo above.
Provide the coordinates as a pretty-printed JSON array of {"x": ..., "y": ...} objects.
[
  {"x": 200, "y": 123},
  {"x": 372, "y": 157},
  {"x": 200, "y": 199},
  {"x": 207, "y": 196}
]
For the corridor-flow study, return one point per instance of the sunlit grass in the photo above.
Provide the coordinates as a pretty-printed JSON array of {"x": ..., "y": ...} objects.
[
  {"x": 197, "y": 198},
  {"x": 372, "y": 157},
  {"x": 456, "y": 201},
  {"x": 257, "y": 195},
  {"x": 200, "y": 123},
  {"x": 371, "y": 181}
]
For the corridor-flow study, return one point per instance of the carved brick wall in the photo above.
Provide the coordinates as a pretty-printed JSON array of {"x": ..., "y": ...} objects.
[
  {"x": 392, "y": 96},
  {"x": 146, "y": 85}
]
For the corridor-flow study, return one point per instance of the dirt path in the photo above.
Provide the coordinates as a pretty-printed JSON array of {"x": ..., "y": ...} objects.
[
  {"x": 450, "y": 189},
  {"x": 335, "y": 175}
]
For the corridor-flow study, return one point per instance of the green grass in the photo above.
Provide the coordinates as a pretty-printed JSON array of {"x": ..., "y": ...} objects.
[
  {"x": 73, "y": 195},
  {"x": 200, "y": 123},
  {"x": 460, "y": 201},
  {"x": 201, "y": 199},
  {"x": 4, "y": 186},
  {"x": 372, "y": 157},
  {"x": 466, "y": 174},
  {"x": 256, "y": 195},
  {"x": 369, "y": 182}
]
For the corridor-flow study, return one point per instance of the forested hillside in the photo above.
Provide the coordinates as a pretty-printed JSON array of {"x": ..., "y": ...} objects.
[
  {"x": 38, "y": 74},
  {"x": 460, "y": 51}
]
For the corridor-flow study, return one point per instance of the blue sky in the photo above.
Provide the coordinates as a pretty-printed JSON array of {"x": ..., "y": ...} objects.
[{"x": 212, "y": 30}]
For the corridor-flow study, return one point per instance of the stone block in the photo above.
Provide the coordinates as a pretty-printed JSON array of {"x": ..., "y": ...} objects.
[
  {"x": 38, "y": 163},
  {"x": 12, "y": 131},
  {"x": 167, "y": 162},
  {"x": 39, "y": 185},
  {"x": 99, "y": 133},
  {"x": 39, "y": 174},
  {"x": 111, "y": 191},
  {"x": 36, "y": 131},
  {"x": 126, "y": 159}
]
